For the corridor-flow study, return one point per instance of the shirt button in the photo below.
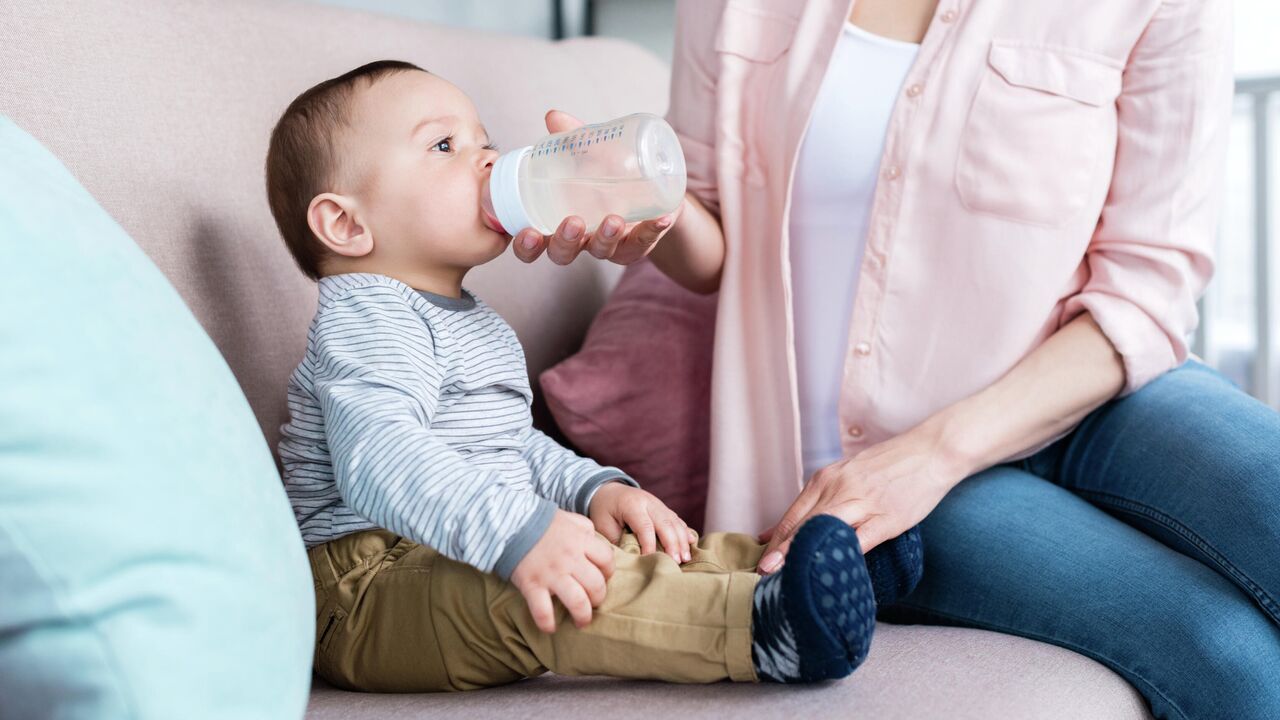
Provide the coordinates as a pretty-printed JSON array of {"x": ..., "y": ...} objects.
[
  {"x": 855, "y": 431},
  {"x": 914, "y": 90},
  {"x": 893, "y": 172},
  {"x": 949, "y": 16},
  {"x": 862, "y": 349}
]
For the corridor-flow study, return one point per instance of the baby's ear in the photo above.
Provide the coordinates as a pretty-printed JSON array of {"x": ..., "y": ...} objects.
[{"x": 335, "y": 220}]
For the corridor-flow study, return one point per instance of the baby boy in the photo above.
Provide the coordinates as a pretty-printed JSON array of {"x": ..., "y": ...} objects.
[{"x": 453, "y": 545}]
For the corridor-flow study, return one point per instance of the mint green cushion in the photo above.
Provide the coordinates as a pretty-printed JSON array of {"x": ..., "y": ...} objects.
[{"x": 150, "y": 566}]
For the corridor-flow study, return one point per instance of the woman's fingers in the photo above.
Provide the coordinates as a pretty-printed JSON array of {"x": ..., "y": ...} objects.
[
  {"x": 612, "y": 240},
  {"x": 641, "y": 239},
  {"x": 767, "y": 535},
  {"x": 874, "y": 531},
  {"x": 528, "y": 244},
  {"x": 604, "y": 241},
  {"x": 786, "y": 527},
  {"x": 560, "y": 121},
  {"x": 853, "y": 513},
  {"x": 567, "y": 241}
]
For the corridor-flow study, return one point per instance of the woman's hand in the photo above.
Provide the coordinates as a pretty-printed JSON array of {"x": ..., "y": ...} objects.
[
  {"x": 882, "y": 491},
  {"x": 887, "y": 488},
  {"x": 614, "y": 240}
]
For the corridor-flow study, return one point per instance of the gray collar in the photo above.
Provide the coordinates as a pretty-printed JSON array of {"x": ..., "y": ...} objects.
[{"x": 466, "y": 302}]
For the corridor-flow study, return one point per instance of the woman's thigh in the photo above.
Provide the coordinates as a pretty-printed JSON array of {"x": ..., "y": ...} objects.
[
  {"x": 1008, "y": 551},
  {"x": 1190, "y": 460}
]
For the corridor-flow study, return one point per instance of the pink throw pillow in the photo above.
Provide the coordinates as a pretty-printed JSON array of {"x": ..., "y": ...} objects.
[{"x": 638, "y": 394}]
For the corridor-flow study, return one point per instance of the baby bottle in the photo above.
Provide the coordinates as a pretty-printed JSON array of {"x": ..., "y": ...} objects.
[{"x": 632, "y": 167}]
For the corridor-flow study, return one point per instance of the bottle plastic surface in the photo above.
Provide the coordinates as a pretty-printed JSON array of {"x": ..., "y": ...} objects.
[{"x": 632, "y": 166}]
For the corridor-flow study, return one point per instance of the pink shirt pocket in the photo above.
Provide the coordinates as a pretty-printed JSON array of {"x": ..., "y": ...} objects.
[{"x": 1042, "y": 122}]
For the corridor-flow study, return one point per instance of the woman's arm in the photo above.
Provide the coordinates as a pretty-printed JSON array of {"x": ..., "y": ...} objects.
[
  {"x": 1069, "y": 376},
  {"x": 692, "y": 246},
  {"x": 893, "y": 485},
  {"x": 692, "y": 252}
]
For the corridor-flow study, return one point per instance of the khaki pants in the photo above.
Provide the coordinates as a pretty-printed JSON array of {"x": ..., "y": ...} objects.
[{"x": 394, "y": 616}]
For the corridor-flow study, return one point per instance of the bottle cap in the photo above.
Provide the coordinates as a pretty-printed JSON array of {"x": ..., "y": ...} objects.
[{"x": 504, "y": 191}]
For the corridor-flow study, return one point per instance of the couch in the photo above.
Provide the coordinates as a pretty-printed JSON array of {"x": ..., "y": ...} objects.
[{"x": 163, "y": 109}]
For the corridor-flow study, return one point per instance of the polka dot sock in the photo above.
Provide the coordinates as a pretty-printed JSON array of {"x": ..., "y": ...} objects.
[
  {"x": 813, "y": 620},
  {"x": 896, "y": 566}
]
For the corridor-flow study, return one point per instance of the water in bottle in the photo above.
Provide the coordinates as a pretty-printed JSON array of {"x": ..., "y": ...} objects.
[{"x": 632, "y": 166}]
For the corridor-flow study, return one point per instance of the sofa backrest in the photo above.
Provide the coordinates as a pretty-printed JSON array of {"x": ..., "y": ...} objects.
[{"x": 163, "y": 111}]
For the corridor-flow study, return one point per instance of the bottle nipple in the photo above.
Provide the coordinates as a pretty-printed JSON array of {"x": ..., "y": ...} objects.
[{"x": 486, "y": 210}]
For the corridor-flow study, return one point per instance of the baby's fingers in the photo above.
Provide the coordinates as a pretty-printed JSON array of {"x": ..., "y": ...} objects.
[
  {"x": 674, "y": 538},
  {"x": 575, "y": 600},
  {"x": 544, "y": 615},
  {"x": 600, "y": 554},
  {"x": 642, "y": 525}
]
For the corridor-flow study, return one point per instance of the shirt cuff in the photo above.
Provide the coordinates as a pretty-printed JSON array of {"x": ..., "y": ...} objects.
[
  {"x": 582, "y": 503},
  {"x": 525, "y": 538}
]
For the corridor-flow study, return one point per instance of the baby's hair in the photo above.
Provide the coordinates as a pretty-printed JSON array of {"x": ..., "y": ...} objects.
[{"x": 302, "y": 160}]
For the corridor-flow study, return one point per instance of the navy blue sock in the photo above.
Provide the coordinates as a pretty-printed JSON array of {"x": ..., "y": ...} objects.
[
  {"x": 813, "y": 620},
  {"x": 896, "y": 566}
]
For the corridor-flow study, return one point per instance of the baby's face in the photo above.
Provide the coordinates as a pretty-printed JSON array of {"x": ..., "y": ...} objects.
[{"x": 419, "y": 158}]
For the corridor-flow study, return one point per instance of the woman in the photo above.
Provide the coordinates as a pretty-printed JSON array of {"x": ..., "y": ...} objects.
[{"x": 958, "y": 246}]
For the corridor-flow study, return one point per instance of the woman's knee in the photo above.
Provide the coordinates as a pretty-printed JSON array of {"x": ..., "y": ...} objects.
[
  {"x": 1193, "y": 643},
  {"x": 1221, "y": 660}
]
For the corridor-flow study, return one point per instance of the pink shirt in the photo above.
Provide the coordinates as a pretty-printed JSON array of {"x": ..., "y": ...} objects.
[{"x": 1043, "y": 160}]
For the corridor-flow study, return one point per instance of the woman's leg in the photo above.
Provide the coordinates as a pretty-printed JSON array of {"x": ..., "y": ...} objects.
[
  {"x": 1192, "y": 461},
  {"x": 1008, "y": 551}
]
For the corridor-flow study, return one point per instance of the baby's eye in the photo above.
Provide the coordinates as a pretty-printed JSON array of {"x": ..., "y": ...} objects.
[{"x": 447, "y": 141}]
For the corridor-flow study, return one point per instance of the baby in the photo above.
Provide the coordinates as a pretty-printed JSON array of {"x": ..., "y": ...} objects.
[{"x": 453, "y": 545}]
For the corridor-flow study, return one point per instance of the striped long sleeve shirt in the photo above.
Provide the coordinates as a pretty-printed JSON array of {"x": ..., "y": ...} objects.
[{"x": 410, "y": 412}]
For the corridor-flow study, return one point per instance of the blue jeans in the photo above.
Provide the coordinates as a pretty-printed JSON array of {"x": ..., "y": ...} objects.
[{"x": 1147, "y": 539}]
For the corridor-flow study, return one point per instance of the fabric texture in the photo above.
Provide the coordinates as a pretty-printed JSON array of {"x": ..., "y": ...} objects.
[
  {"x": 395, "y": 616},
  {"x": 1033, "y": 169},
  {"x": 912, "y": 672},
  {"x": 896, "y": 566},
  {"x": 1145, "y": 539},
  {"x": 138, "y": 500},
  {"x": 410, "y": 412},
  {"x": 637, "y": 395}
]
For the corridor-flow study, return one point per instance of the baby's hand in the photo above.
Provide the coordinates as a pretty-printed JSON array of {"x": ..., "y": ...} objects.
[
  {"x": 569, "y": 561},
  {"x": 616, "y": 504}
]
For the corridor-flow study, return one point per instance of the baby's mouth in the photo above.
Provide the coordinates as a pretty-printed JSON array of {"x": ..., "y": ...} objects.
[{"x": 486, "y": 211}]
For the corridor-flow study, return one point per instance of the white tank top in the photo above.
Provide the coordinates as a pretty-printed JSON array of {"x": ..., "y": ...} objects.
[{"x": 835, "y": 181}]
